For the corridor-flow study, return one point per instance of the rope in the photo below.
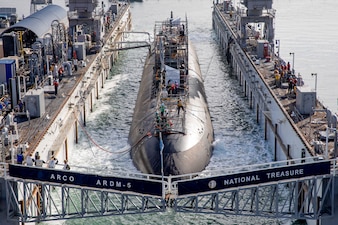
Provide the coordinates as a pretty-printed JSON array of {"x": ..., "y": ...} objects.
[
  {"x": 124, "y": 150},
  {"x": 91, "y": 148},
  {"x": 207, "y": 72}
]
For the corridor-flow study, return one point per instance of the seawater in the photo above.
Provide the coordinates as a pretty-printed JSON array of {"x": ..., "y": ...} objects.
[
  {"x": 308, "y": 29},
  {"x": 238, "y": 139}
]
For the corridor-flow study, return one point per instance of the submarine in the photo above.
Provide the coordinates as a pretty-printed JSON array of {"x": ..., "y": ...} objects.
[{"x": 171, "y": 131}]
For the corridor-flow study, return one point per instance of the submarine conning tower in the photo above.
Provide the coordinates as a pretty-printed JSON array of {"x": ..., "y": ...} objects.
[{"x": 256, "y": 12}]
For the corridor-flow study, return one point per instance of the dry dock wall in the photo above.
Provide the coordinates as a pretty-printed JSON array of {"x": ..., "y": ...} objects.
[
  {"x": 62, "y": 135},
  {"x": 279, "y": 130},
  {"x": 86, "y": 86},
  {"x": 283, "y": 136}
]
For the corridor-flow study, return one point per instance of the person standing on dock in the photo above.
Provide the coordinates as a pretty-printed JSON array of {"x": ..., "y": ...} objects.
[
  {"x": 29, "y": 160},
  {"x": 52, "y": 162},
  {"x": 290, "y": 85},
  {"x": 54, "y": 70},
  {"x": 19, "y": 157},
  {"x": 277, "y": 79},
  {"x": 20, "y": 106},
  {"x": 39, "y": 162},
  {"x": 66, "y": 165},
  {"x": 56, "y": 85},
  {"x": 75, "y": 63},
  {"x": 37, "y": 155},
  {"x": 60, "y": 73}
]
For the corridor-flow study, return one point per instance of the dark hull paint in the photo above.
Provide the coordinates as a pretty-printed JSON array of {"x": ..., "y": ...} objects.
[{"x": 187, "y": 151}]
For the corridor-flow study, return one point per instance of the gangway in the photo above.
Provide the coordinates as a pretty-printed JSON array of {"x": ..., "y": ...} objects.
[
  {"x": 295, "y": 199},
  {"x": 287, "y": 189},
  {"x": 127, "y": 45}
]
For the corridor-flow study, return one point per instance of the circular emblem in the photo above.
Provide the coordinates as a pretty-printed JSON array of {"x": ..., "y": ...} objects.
[{"x": 212, "y": 184}]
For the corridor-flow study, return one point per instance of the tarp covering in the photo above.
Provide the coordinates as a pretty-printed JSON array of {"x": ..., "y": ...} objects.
[{"x": 172, "y": 75}]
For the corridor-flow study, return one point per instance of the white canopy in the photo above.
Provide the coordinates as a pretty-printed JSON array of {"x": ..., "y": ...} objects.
[{"x": 172, "y": 75}]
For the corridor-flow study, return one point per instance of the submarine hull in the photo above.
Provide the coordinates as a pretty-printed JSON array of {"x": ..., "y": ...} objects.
[{"x": 186, "y": 138}]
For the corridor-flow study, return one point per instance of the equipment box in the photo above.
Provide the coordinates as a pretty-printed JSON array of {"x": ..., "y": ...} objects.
[
  {"x": 35, "y": 102},
  {"x": 305, "y": 99}
]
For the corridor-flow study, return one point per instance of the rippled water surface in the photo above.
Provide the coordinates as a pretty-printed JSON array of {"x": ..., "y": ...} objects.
[
  {"x": 238, "y": 140},
  {"x": 305, "y": 27}
]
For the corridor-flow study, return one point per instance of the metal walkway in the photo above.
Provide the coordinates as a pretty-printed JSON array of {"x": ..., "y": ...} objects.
[{"x": 288, "y": 189}]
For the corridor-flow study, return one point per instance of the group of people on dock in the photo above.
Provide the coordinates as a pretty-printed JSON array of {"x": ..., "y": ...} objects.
[
  {"x": 38, "y": 162},
  {"x": 58, "y": 72},
  {"x": 284, "y": 74}
]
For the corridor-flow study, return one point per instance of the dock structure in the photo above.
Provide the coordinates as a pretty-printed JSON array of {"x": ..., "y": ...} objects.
[
  {"x": 274, "y": 190},
  {"x": 77, "y": 93},
  {"x": 299, "y": 185},
  {"x": 266, "y": 82},
  {"x": 296, "y": 125},
  {"x": 47, "y": 124}
]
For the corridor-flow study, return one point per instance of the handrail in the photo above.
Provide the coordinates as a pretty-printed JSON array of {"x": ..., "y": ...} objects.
[
  {"x": 206, "y": 173},
  {"x": 213, "y": 171}
]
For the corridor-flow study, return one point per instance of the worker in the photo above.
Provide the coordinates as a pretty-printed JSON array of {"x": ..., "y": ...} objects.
[
  {"x": 52, "y": 162},
  {"x": 162, "y": 109},
  {"x": 19, "y": 157},
  {"x": 66, "y": 165},
  {"x": 29, "y": 160},
  {"x": 179, "y": 106},
  {"x": 56, "y": 85},
  {"x": 39, "y": 162}
]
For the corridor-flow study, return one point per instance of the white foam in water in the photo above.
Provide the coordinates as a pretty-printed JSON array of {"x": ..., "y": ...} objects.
[{"x": 238, "y": 139}]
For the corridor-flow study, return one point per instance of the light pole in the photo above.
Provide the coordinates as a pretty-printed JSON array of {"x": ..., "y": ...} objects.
[
  {"x": 293, "y": 62},
  {"x": 315, "y": 74},
  {"x": 278, "y": 47}
]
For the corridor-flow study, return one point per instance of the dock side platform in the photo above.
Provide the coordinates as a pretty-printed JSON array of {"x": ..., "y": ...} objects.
[{"x": 296, "y": 125}]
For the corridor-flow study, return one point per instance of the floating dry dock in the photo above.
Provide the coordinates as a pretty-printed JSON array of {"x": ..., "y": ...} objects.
[
  {"x": 295, "y": 122},
  {"x": 49, "y": 123},
  {"x": 296, "y": 125},
  {"x": 304, "y": 190}
]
